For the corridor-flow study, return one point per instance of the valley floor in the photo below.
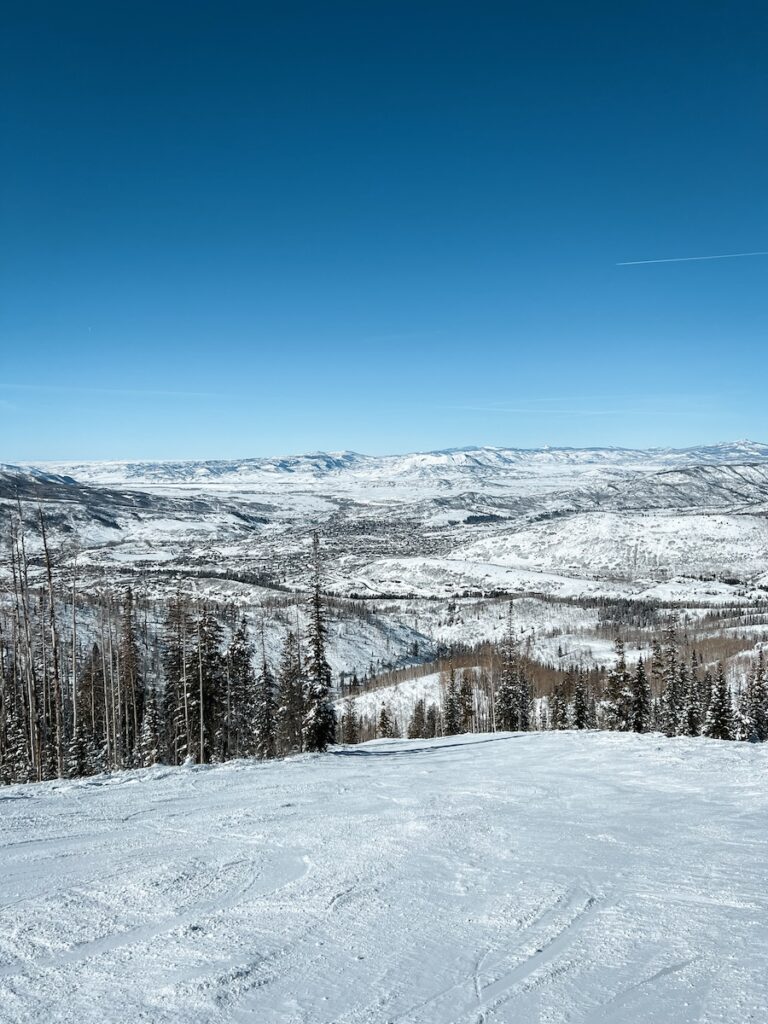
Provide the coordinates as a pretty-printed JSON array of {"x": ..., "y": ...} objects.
[{"x": 510, "y": 878}]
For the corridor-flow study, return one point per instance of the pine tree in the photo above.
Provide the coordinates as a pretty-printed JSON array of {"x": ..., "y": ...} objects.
[
  {"x": 290, "y": 699},
  {"x": 417, "y": 727},
  {"x": 558, "y": 709},
  {"x": 719, "y": 721},
  {"x": 641, "y": 700},
  {"x": 451, "y": 707},
  {"x": 386, "y": 729},
  {"x": 149, "y": 741},
  {"x": 433, "y": 721},
  {"x": 753, "y": 706},
  {"x": 179, "y": 675},
  {"x": 208, "y": 705},
  {"x": 669, "y": 704},
  {"x": 513, "y": 697},
  {"x": 350, "y": 724},
  {"x": 265, "y": 717},
  {"x": 243, "y": 695},
  {"x": 690, "y": 711},
  {"x": 617, "y": 702},
  {"x": 580, "y": 703},
  {"x": 319, "y": 724},
  {"x": 466, "y": 700}
]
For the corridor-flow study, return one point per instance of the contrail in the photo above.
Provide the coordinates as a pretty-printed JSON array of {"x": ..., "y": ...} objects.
[{"x": 690, "y": 259}]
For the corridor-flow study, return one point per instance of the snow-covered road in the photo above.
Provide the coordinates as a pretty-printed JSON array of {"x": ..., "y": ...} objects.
[{"x": 548, "y": 877}]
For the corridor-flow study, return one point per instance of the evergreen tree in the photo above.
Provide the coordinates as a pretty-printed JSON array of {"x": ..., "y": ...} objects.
[
  {"x": 350, "y": 724},
  {"x": 149, "y": 741},
  {"x": 265, "y": 717},
  {"x": 669, "y": 704},
  {"x": 558, "y": 709},
  {"x": 433, "y": 720},
  {"x": 466, "y": 700},
  {"x": 386, "y": 729},
  {"x": 451, "y": 707},
  {"x": 417, "y": 727},
  {"x": 179, "y": 676},
  {"x": 719, "y": 720},
  {"x": 208, "y": 704},
  {"x": 691, "y": 714},
  {"x": 618, "y": 699},
  {"x": 319, "y": 724},
  {"x": 243, "y": 695},
  {"x": 753, "y": 706},
  {"x": 641, "y": 700},
  {"x": 513, "y": 695},
  {"x": 580, "y": 703},
  {"x": 290, "y": 700}
]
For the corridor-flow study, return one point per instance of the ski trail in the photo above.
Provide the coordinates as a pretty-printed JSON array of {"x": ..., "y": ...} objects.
[{"x": 284, "y": 869}]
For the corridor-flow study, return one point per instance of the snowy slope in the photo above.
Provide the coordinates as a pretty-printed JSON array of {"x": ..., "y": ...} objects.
[{"x": 589, "y": 879}]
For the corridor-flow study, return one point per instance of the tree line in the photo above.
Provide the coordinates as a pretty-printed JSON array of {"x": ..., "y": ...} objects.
[{"x": 199, "y": 693}]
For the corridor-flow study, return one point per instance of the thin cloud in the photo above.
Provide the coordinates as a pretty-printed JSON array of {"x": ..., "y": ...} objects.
[
  {"x": 691, "y": 259},
  {"x": 62, "y": 389}
]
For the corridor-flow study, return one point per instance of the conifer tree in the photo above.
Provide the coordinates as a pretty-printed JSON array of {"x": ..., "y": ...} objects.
[
  {"x": 319, "y": 724},
  {"x": 719, "y": 720},
  {"x": 149, "y": 740},
  {"x": 385, "y": 729},
  {"x": 669, "y": 702},
  {"x": 690, "y": 711},
  {"x": 243, "y": 694},
  {"x": 433, "y": 721},
  {"x": 641, "y": 700},
  {"x": 290, "y": 698},
  {"x": 350, "y": 725},
  {"x": 580, "y": 703},
  {"x": 513, "y": 695},
  {"x": 265, "y": 718},
  {"x": 618, "y": 699},
  {"x": 417, "y": 727},
  {"x": 466, "y": 700},
  {"x": 451, "y": 707},
  {"x": 753, "y": 706}
]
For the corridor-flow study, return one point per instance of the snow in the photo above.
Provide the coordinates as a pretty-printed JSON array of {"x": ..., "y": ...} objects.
[{"x": 583, "y": 878}]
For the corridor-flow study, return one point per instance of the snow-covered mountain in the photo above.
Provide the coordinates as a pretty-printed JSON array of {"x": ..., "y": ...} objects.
[
  {"x": 554, "y": 520},
  {"x": 456, "y": 467}
]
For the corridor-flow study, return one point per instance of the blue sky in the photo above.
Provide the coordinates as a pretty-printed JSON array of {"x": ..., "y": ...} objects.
[{"x": 232, "y": 229}]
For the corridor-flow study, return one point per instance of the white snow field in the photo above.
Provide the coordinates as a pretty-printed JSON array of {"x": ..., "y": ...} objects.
[{"x": 510, "y": 878}]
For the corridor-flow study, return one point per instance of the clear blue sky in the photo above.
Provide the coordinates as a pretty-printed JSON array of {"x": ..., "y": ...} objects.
[{"x": 232, "y": 229}]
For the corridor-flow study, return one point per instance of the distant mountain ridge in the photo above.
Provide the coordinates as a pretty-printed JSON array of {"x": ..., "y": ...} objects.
[{"x": 462, "y": 462}]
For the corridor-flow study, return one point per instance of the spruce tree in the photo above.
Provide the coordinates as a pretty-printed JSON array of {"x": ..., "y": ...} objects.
[
  {"x": 417, "y": 727},
  {"x": 386, "y": 728},
  {"x": 719, "y": 720},
  {"x": 243, "y": 695},
  {"x": 290, "y": 697},
  {"x": 641, "y": 700},
  {"x": 451, "y": 707},
  {"x": 690, "y": 711},
  {"x": 265, "y": 717},
  {"x": 513, "y": 696},
  {"x": 618, "y": 699},
  {"x": 350, "y": 725},
  {"x": 149, "y": 741},
  {"x": 319, "y": 724}
]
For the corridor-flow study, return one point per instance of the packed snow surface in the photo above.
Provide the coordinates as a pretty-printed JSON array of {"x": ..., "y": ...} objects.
[{"x": 543, "y": 877}]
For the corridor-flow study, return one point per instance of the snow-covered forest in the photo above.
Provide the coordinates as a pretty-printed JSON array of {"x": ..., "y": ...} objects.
[{"x": 94, "y": 682}]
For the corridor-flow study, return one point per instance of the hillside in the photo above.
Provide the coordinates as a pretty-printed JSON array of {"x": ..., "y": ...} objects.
[
  {"x": 581, "y": 878},
  {"x": 565, "y": 521}
]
